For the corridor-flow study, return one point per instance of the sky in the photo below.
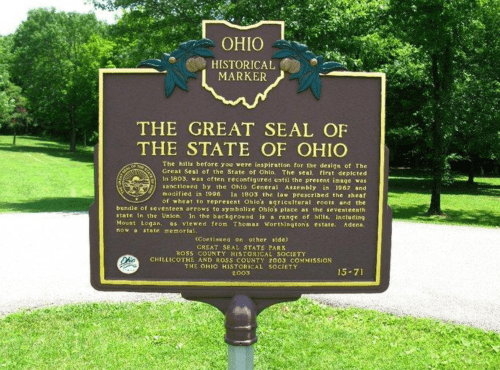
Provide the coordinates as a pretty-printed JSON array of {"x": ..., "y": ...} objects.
[{"x": 14, "y": 12}]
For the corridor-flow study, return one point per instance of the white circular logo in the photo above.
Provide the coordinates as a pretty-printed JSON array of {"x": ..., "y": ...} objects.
[{"x": 128, "y": 264}]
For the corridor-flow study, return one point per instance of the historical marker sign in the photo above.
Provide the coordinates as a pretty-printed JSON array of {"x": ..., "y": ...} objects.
[{"x": 241, "y": 185}]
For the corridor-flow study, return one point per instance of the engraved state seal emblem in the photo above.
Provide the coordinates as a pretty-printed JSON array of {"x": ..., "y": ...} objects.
[{"x": 136, "y": 183}]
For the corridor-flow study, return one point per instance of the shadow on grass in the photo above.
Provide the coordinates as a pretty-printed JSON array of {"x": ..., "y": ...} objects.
[
  {"x": 409, "y": 185},
  {"x": 51, "y": 148},
  {"x": 408, "y": 213},
  {"x": 423, "y": 186},
  {"x": 481, "y": 218},
  {"x": 478, "y": 188},
  {"x": 72, "y": 204},
  {"x": 418, "y": 213}
]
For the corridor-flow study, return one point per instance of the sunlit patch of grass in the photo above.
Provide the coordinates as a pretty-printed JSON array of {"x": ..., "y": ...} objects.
[{"x": 40, "y": 175}]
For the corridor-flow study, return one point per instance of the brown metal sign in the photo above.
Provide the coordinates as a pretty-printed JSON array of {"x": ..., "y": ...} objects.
[{"x": 241, "y": 187}]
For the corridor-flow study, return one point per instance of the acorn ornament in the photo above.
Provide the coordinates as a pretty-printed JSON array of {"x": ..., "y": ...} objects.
[
  {"x": 196, "y": 64},
  {"x": 290, "y": 65}
]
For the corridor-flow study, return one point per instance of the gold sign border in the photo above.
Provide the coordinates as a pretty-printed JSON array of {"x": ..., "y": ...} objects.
[
  {"x": 257, "y": 284},
  {"x": 242, "y": 99}
]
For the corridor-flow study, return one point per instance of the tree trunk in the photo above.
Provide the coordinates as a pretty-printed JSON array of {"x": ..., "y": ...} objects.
[
  {"x": 14, "y": 141},
  {"x": 437, "y": 183},
  {"x": 72, "y": 147},
  {"x": 470, "y": 181},
  {"x": 437, "y": 144}
]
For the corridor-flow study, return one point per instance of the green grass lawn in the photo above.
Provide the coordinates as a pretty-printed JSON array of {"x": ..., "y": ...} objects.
[
  {"x": 40, "y": 175},
  {"x": 299, "y": 335},
  {"x": 479, "y": 205}
]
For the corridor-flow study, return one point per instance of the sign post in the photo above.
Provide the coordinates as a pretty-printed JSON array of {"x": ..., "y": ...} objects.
[
  {"x": 240, "y": 358},
  {"x": 241, "y": 170},
  {"x": 241, "y": 325}
]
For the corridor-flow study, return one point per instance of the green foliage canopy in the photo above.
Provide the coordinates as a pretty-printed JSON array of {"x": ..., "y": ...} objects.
[{"x": 56, "y": 58}]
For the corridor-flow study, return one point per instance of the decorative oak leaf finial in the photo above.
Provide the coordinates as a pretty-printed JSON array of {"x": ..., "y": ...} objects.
[
  {"x": 176, "y": 64},
  {"x": 303, "y": 65}
]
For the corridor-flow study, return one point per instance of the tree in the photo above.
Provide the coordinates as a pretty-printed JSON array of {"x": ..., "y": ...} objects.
[
  {"x": 477, "y": 135},
  {"x": 97, "y": 53},
  {"x": 441, "y": 29},
  {"x": 13, "y": 108},
  {"x": 49, "y": 56},
  {"x": 13, "y": 112}
]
